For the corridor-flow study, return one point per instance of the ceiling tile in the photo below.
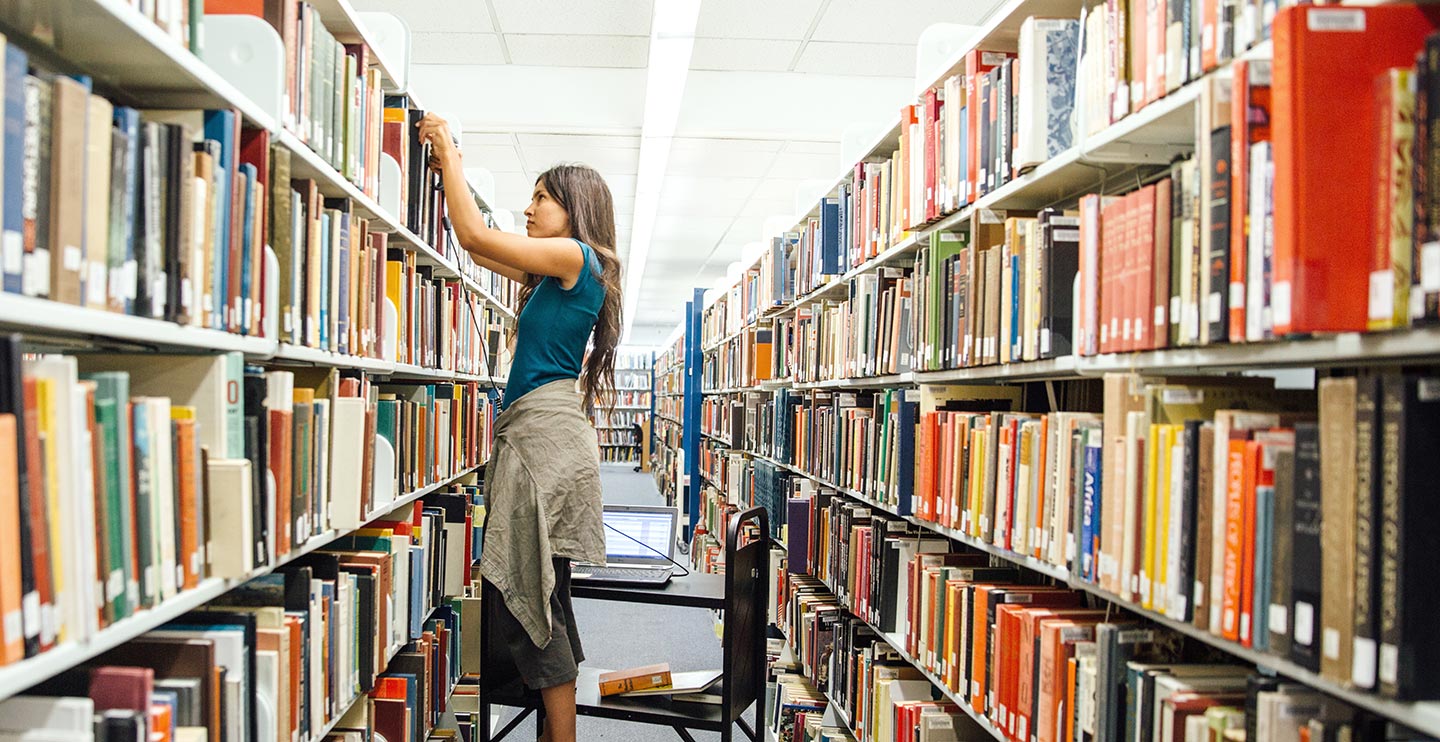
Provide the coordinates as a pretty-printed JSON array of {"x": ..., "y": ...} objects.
[
  {"x": 777, "y": 189},
  {"x": 756, "y": 19},
  {"x": 689, "y": 202},
  {"x": 719, "y": 162},
  {"x": 757, "y": 55},
  {"x": 435, "y": 15},
  {"x": 455, "y": 48},
  {"x": 574, "y": 50},
  {"x": 698, "y": 232},
  {"x": 482, "y": 138},
  {"x": 854, "y": 20},
  {"x": 812, "y": 147},
  {"x": 608, "y": 160},
  {"x": 578, "y": 140},
  {"x": 803, "y": 165},
  {"x": 700, "y": 187},
  {"x": 495, "y": 158},
  {"x": 863, "y": 60},
  {"x": 630, "y": 17}
]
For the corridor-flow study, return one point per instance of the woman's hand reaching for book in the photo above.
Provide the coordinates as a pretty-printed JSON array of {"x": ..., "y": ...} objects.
[{"x": 436, "y": 131}]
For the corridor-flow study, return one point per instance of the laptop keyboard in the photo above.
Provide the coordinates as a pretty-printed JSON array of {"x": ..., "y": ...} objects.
[{"x": 621, "y": 573}]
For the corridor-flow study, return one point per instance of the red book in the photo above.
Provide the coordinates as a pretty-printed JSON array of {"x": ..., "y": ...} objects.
[
  {"x": 1326, "y": 61},
  {"x": 1143, "y": 278},
  {"x": 121, "y": 688},
  {"x": 1253, "y": 452},
  {"x": 1111, "y": 222},
  {"x": 1158, "y": 318},
  {"x": 1249, "y": 123},
  {"x": 932, "y": 115}
]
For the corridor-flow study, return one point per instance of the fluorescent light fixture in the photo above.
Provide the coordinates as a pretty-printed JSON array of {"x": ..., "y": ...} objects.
[{"x": 672, "y": 38}]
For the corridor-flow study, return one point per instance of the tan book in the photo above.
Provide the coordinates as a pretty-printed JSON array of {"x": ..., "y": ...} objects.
[
  {"x": 635, "y": 678},
  {"x": 70, "y": 103},
  {"x": 1337, "y": 538},
  {"x": 97, "y": 201}
]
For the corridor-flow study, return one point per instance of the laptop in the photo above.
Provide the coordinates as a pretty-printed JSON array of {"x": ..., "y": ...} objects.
[{"x": 639, "y": 544}]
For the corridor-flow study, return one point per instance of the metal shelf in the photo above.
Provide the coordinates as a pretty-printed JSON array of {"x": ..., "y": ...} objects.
[
  {"x": 17, "y": 677},
  {"x": 99, "y": 327}
]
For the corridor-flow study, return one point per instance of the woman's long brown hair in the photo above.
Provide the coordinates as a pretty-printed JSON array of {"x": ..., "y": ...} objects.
[{"x": 586, "y": 198}]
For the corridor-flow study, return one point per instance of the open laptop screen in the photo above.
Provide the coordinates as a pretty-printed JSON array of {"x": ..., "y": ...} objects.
[{"x": 653, "y": 527}]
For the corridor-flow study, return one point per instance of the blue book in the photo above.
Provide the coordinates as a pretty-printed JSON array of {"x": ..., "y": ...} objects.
[
  {"x": 145, "y": 546},
  {"x": 1017, "y": 349},
  {"x": 120, "y": 244},
  {"x": 325, "y": 340},
  {"x": 12, "y": 171},
  {"x": 220, "y": 271},
  {"x": 220, "y": 125},
  {"x": 1089, "y": 525},
  {"x": 342, "y": 322},
  {"x": 418, "y": 565},
  {"x": 831, "y": 247},
  {"x": 909, "y": 413},
  {"x": 249, "y": 180},
  {"x": 1264, "y": 553}
]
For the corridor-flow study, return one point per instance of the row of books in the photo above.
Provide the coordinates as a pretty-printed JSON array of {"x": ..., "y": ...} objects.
[
  {"x": 742, "y": 361},
  {"x": 619, "y": 418},
  {"x": 1216, "y": 251},
  {"x": 167, "y": 214},
  {"x": 618, "y": 454},
  {"x": 632, "y": 399},
  {"x": 1034, "y": 660},
  {"x": 143, "y": 476},
  {"x": 332, "y": 99},
  {"x": 371, "y": 633},
  {"x": 1199, "y": 499},
  {"x": 796, "y": 710},
  {"x": 622, "y": 437}
]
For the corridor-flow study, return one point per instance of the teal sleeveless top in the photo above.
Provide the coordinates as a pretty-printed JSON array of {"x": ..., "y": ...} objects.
[{"x": 554, "y": 328}]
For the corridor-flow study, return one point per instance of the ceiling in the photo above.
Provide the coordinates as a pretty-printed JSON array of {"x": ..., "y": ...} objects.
[{"x": 772, "y": 89}]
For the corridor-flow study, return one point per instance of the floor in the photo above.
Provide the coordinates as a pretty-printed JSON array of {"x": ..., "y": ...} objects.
[{"x": 616, "y": 635}]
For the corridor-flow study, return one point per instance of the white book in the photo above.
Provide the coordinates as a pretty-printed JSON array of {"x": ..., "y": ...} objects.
[
  {"x": 230, "y": 513},
  {"x": 1177, "y": 595},
  {"x": 1049, "y": 52},
  {"x": 347, "y": 450},
  {"x": 162, "y": 493},
  {"x": 55, "y": 714}
]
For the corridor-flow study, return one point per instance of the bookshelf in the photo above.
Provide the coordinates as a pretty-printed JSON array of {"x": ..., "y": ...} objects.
[
  {"x": 399, "y": 385},
  {"x": 619, "y": 443},
  {"x": 812, "y": 340}
]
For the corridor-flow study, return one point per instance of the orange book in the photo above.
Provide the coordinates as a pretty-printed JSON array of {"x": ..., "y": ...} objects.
[
  {"x": 187, "y": 458},
  {"x": 1158, "y": 316},
  {"x": 1253, "y": 452},
  {"x": 636, "y": 678},
  {"x": 1209, "y": 34},
  {"x": 1070, "y": 668},
  {"x": 12, "y": 634},
  {"x": 1057, "y": 651},
  {"x": 1235, "y": 538},
  {"x": 1027, "y": 691},
  {"x": 281, "y": 439},
  {"x": 1325, "y": 197},
  {"x": 980, "y": 598},
  {"x": 160, "y": 722},
  {"x": 37, "y": 520}
]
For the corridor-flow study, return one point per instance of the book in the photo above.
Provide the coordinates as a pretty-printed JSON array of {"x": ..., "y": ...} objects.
[{"x": 615, "y": 682}]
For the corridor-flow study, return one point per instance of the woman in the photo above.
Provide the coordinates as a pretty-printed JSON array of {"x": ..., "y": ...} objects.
[{"x": 544, "y": 474}]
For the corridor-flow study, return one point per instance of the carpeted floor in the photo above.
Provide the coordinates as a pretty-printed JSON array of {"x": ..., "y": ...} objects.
[{"x": 620, "y": 635}]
